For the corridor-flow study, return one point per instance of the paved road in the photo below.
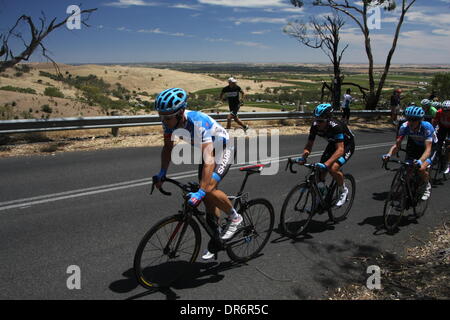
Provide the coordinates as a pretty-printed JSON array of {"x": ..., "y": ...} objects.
[{"x": 91, "y": 209}]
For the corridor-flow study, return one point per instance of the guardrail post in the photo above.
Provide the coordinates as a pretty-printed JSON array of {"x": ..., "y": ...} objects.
[{"x": 115, "y": 130}]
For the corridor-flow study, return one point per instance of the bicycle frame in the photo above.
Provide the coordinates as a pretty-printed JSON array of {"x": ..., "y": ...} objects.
[
  {"x": 188, "y": 212},
  {"x": 407, "y": 172},
  {"x": 311, "y": 180}
]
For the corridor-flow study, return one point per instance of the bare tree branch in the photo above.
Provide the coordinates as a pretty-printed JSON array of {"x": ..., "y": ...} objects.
[{"x": 37, "y": 36}]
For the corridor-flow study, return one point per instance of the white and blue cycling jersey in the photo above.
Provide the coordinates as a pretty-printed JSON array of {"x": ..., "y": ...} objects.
[
  {"x": 425, "y": 132},
  {"x": 199, "y": 126}
]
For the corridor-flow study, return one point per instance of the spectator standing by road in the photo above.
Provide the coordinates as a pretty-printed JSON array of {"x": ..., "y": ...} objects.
[
  {"x": 395, "y": 105},
  {"x": 346, "y": 106},
  {"x": 234, "y": 94}
]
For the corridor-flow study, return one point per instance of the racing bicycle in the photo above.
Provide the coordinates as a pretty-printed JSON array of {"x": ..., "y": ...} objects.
[
  {"x": 406, "y": 192},
  {"x": 306, "y": 199},
  {"x": 175, "y": 241}
]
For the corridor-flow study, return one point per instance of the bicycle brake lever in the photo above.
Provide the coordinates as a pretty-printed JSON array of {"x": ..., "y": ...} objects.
[
  {"x": 287, "y": 164},
  {"x": 160, "y": 189}
]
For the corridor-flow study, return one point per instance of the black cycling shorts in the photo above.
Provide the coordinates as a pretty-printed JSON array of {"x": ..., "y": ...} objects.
[
  {"x": 223, "y": 163},
  {"x": 443, "y": 134},
  {"x": 349, "y": 149}
]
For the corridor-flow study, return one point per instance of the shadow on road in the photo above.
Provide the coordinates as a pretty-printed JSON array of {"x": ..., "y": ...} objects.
[
  {"x": 174, "y": 275},
  {"x": 314, "y": 226},
  {"x": 340, "y": 264},
  {"x": 382, "y": 196},
  {"x": 378, "y": 223}
]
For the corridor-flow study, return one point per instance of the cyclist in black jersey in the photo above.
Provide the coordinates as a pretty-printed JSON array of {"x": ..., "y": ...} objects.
[{"x": 340, "y": 148}]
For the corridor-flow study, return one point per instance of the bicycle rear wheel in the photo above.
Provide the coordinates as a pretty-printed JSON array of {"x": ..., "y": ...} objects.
[
  {"x": 394, "y": 206},
  {"x": 255, "y": 231},
  {"x": 297, "y": 210},
  {"x": 165, "y": 251},
  {"x": 340, "y": 213}
]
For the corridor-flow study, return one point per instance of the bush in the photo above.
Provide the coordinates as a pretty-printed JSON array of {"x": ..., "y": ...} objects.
[
  {"x": 53, "y": 92},
  {"x": 46, "y": 108},
  {"x": 16, "y": 89},
  {"x": 23, "y": 68}
]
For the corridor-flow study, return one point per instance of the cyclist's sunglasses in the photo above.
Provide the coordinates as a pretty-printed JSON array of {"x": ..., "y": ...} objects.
[
  {"x": 167, "y": 117},
  {"x": 413, "y": 119},
  {"x": 320, "y": 120}
]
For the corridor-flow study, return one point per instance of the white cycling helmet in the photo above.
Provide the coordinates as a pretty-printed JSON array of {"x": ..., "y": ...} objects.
[
  {"x": 446, "y": 105},
  {"x": 425, "y": 102}
]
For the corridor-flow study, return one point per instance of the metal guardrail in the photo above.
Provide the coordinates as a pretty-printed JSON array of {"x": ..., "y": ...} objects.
[{"x": 60, "y": 124}]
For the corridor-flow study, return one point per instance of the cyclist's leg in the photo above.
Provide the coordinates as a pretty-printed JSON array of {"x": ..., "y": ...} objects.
[
  {"x": 335, "y": 169},
  {"x": 329, "y": 150},
  {"x": 217, "y": 198}
]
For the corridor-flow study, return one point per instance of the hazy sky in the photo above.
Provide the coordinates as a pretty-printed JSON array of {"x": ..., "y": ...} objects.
[{"x": 222, "y": 30}]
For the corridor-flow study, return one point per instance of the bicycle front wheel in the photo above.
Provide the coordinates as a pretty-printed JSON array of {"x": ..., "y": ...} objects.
[
  {"x": 165, "y": 251},
  {"x": 255, "y": 231},
  {"x": 394, "y": 206},
  {"x": 297, "y": 210}
]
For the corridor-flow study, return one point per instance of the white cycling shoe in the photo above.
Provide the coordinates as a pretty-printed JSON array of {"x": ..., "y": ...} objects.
[
  {"x": 207, "y": 255},
  {"x": 232, "y": 227},
  {"x": 427, "y": 192},
  {"x": 342, "y": 197}
]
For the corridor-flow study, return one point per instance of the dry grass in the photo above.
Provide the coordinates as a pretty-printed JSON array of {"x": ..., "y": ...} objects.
[{"x": 424, "y": 273}]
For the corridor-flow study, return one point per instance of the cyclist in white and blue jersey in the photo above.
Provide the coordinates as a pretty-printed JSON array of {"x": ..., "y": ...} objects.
[
  {"x": 205, "y": 133},
  {"x": 420, "y": 146}
]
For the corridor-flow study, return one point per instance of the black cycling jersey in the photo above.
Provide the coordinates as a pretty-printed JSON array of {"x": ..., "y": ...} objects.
[{"x": 335, "y": 131}]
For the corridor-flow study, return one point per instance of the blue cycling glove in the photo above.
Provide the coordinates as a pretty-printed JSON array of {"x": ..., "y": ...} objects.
[
  {"x": 321, "y": 166},
  {"x": 386, "y": 156},
  {"x": 418, "y": 163},
  {"x": 299, "y": 159},
  {"x": 196, "y": 197},
  {"x": 160, "y": 176}
]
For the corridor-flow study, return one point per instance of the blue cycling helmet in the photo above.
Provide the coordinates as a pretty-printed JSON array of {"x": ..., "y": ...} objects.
[
  {"x": 414, "y": 112},
  {"x": 171, "y": 100},
  {"x": 323, "y": 110}
]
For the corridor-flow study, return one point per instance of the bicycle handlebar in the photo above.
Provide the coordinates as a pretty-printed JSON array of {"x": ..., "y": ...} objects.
[
  {"x": 403, "y": 163},
  {"x": 290, "y": 164},
  {"x": 190, "y": 187}
]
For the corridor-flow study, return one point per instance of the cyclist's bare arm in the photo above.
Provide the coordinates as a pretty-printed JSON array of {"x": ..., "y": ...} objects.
[
  {"x": 207, "y": 183},
  {"x": 166, "y": 156},
  {"x": 427, "y": 152},
  {"x": 336, "y": 155},
  {"x": 308, "y": 148},
  {"x": 394, "y": 149}
]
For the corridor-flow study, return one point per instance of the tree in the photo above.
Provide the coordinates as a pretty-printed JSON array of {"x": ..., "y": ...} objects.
[
  {"x": 359, "y": 14},
  {"x": 37, "y": 35},
  {"x": 324, "y": 35},
  {"x": 441, "y": 85}
]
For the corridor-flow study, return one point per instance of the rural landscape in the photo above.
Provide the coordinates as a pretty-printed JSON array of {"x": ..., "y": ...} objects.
[{"x": 39, "y": 90}]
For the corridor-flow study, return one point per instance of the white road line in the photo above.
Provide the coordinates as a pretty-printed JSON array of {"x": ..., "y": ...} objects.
[{"x": 28, "y": 202}]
